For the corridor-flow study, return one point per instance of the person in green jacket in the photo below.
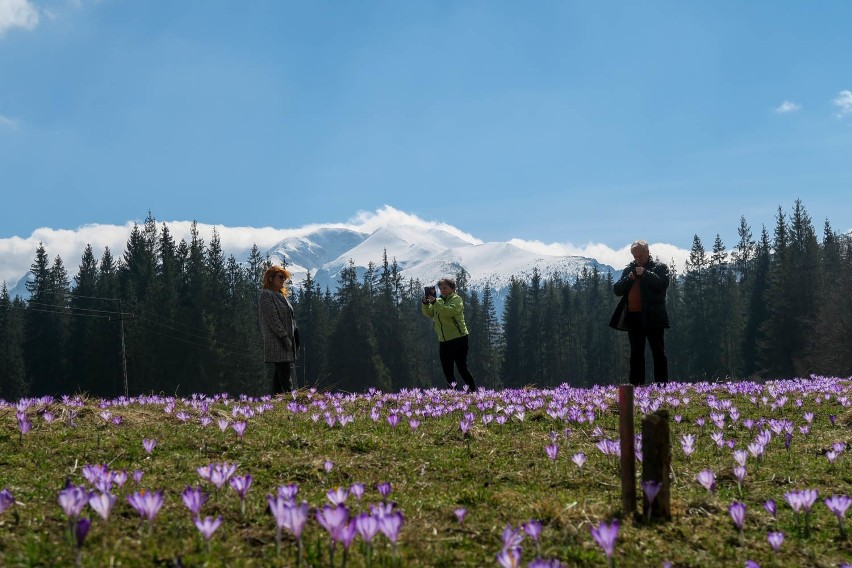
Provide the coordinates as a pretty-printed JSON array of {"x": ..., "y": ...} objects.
[{"x": 447, "y": 312}]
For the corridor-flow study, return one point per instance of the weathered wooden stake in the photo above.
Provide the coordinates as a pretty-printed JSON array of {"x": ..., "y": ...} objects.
[
  {"x": 656, "y": 462},
  {"x": 628, "y": 456}
]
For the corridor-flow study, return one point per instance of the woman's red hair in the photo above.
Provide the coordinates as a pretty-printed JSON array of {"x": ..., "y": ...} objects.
[{"x": 269, "y": 279}]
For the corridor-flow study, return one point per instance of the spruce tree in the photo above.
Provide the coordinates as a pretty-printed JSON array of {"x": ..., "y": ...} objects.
[{"x": 13, "y": 384}]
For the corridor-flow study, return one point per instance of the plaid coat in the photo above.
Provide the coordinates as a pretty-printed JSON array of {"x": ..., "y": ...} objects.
[{"x": 277, "y": 325}]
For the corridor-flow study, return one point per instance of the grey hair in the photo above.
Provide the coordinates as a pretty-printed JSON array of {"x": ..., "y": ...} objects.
[{"x": 639, "y": 245}]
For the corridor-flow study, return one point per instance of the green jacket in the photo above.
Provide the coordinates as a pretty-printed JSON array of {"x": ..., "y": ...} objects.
[{"x": 448, "y": 315}]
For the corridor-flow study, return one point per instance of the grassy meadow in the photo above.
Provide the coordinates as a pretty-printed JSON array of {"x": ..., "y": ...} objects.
[{"x": 470, "y": 476}]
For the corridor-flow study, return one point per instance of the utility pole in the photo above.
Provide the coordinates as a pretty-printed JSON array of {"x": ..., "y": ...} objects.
[{"x": 121, "y": 317}]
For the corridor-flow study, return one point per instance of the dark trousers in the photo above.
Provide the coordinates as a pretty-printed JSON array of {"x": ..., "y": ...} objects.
[
  {"x": 452, "y": 352},
  {"x": 656, "y": 341},
  {"x": 282, "y": 377}
]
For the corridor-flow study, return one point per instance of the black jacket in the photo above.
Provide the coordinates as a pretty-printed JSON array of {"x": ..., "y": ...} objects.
[{"x": 654, "y": 282}]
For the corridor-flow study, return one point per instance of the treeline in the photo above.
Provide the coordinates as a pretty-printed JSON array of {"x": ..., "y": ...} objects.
[{"x": 181, "y": 317}]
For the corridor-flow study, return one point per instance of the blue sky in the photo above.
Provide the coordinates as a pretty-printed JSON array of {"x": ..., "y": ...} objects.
[{"x": 558, "y": 122}]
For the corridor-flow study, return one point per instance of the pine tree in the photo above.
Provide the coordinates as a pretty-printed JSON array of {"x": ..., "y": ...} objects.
[
  {"x": 757, "y": 314},
  {"x": 354, "y": 361},
  {"x": 88, "y": 324},
  {"x": 695, "y": 297},
  {"x": 515, "y": 369},
  {"x": 13, "y": 384}
]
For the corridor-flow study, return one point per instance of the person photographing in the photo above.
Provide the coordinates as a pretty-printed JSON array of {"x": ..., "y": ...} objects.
[
  {"x": 642, "y": 312},
  {"x": 447, "y": 313}
]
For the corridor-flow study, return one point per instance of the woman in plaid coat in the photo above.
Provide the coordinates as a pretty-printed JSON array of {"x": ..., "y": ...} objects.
[{"x": 279, "y": 330}]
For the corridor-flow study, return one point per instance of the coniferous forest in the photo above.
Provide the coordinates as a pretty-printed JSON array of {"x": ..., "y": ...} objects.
[{"x": 181, "y": 317}]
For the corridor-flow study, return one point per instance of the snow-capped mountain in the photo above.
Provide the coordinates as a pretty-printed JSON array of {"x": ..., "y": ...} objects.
[
  {"x": 424, "y": 250},
  {"x": 423, "y": 253}
]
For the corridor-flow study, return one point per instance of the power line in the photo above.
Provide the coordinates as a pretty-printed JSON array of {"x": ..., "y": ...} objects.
[
  {"x": 229, "y": 351},
  {"x": 72, "y": 307},
  {"x": 62, "y": 312}
]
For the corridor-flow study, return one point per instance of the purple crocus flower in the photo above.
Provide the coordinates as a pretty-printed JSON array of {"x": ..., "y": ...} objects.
[
  {"x": 707, "y": 478},
  {"x": 770, "y": 507},
  {"x": 147, "y": 503},
  {"x": 512, "y": 538},
  {"x": 605, "y": 535},
  {"x": 651, "y": 488},
  {"x": 241, "y": 484},
  {"x": 546, "y": 563},
  {"x": 357, "y": 489},
  {"x": 149, "y": 444},
  {"x": 739, "y": 474},
  {"x": 288, "y": 491},
  {"x": 208, "y": 526},
  {"x": 278, "y": 506},
  {"x": 24, "y": 424},
  {"x": 737, "y": 511},
  {"x": 6, "y": 500},
  {"x": 93, "y": 473},
  {"x": 460, "y": 514},
  {"x": 533, "y": 529},
  {"x": 102, "y": 503},
  {"x": 687, "y": 442},
  {"x": 579, "y": 458},
  {"x": 194, "y": 498},
  {"x": 81, "y": 529},
  {"x": 552, "y": 451},
  {"x": 222, "y": 472},
  {"x": 347, "y": 535},
  {"x": 239, "y": 428},
  {"x": 838, "y": 504},
  {"x": 808, "y": 497},
  {"x": 509, "y": 558},
  {"x": 384, "y": 489},
  {"x": 337, "y": 495},
  {"x": 72, "y": 499},
  {"x": 295, "y": 519},
  {"x": 776, "y": 539},
  {"x": 390, "y": 525},
  {"x": 328, "y": 465},
  {"x": 333, "y": 519},
  {"x": 367, "y": 526},
  {"x": 413, "y": 423},
  {"x": 137, "y": 475}
]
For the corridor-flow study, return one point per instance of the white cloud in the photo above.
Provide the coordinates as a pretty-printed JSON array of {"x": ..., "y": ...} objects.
[
  {"x": 787, "y": 106},
  {"x": 7, "y": 122},
  {"x": 617, "y": 258},
  {"x": 17, "y": 253},
  {"x": 17, "y": 14},
  {"x": 369, "y": 221},
  {"x": 844, "y": 103}
]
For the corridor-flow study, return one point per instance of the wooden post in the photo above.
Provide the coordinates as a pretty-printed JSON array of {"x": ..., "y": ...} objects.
[
  {"x": 628, "y": 455},
  {"x": 656, "y": 462}
]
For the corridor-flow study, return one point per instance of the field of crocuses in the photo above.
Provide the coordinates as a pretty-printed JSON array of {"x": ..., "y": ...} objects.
[{"x": 760, "y": 476}]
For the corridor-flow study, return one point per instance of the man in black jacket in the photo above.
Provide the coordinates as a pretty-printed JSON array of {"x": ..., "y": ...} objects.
[{"x": 642, "y": 312}]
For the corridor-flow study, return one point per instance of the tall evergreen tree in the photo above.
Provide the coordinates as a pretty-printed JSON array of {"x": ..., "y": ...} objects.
[
  {"x": 696, "y": 283},
  {"x": 87, "y": 325},
  {"x": 354, "y": 362},
  {"x": 13, "y": 383}
]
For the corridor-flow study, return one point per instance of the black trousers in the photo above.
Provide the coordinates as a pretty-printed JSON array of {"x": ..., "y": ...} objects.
[
  {"x": 656, "y": 341},
  {"x": 452, "y": 352},
  {"x": 282, "y": 377}
]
